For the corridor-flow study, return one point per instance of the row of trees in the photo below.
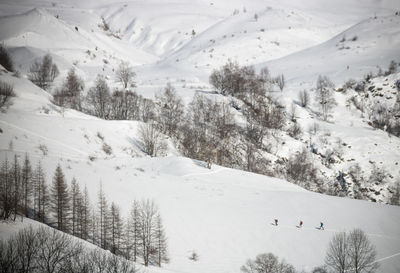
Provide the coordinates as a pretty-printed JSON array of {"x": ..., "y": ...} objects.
[
  {"x": 46, "y": 250},
  {"x": 24, "y": 191},
  {"x": 101, "y": 102},
  {"x": 347, "y": 252}
]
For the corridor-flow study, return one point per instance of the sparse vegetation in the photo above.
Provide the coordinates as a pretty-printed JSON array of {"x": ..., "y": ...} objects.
[
  {"x": 5, "y": 58},
  {"x": 6, "y": 93},
  {"x": 42, "y": 73}
]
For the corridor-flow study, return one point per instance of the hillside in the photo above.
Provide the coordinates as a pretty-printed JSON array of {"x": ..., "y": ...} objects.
[
  {"x": 223, "y": 214},
  {"x": 210, "y": 211}
]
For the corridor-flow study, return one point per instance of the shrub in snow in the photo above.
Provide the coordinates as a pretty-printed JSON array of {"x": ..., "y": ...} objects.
[
  {"x": 152, "y": 139},
  {"x": 378, "y": 175},
  {"x": 6, "y": 93},
  {"x": 392, "y": 68},
  {"x": 5, "y": 58},
  {"x": 295, "y": 131}
]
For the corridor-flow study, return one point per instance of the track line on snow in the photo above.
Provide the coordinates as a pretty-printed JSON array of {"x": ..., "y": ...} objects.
[
  {"x": 335, "y": 230},
  {"x": 207, "y": 173},
  {"x": 43, "y": 137},
  {"x": 388, "y": 257}
]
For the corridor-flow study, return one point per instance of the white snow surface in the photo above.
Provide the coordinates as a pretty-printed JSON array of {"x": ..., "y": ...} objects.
[{"x": 225, "y": 215}]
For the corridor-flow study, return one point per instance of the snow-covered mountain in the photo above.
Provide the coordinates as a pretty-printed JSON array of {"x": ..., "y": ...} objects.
[{"x": 224, "y": 214}]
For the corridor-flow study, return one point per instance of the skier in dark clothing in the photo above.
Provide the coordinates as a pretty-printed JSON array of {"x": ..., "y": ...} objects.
[
  {"x": 276, "y": 222},
  {"x": 301, "y": 223},
  {"x": 321, "y": 226}
]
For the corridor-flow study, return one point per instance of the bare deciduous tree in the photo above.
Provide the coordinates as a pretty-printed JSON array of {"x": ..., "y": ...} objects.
[
  {"x": 324, "y": 95},
  {"x": 267, "y": 263},
  {"x": 42, "y": 73},
  {"x": 125, "y": 75},
  {"x": 99, "y": 98},
  {"x": 336, "y": 256},
  {"x": 280, "y": 81},
  {"x": 170, "y": 110},
  {"x": 152, "y": 139},
  {"x": 304, "y": 98},
  {"x": 361, "y": 252},
  {"x": 351, "y": 252}
]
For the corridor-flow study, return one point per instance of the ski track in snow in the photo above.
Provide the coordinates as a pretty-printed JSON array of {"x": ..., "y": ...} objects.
[
  {"x": 206, "y": 173},
  {"x": 335, "y": 230},
  {"x": 43, "y": 137}
]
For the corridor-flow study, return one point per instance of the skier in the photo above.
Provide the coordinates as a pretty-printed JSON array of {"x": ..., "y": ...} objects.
[
  {"x": 301, "y": 223},
  {"x": 321, "y": 226},
  {"x": 276, "y": 222}
]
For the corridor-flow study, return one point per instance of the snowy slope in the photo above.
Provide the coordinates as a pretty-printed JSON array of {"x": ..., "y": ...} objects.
[
  {"x": 376, "y": 43},
  {"x": 224, "y": 215}
]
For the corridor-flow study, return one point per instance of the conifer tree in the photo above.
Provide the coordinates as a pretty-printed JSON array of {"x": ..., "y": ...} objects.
[
  {"x": 40, "y": 193},
  {"x": 26, "y": 179},
  {"x": 75, "y": 200},
  {"x": 103, "y": 211},
  {"x": 161, "y": 241},
  {"x": 116, "y": 229},
  {"x": 60, "y": 199}
]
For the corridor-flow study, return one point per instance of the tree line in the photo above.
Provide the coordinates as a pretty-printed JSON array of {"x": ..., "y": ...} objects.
[{"x": 25, "y": 192}]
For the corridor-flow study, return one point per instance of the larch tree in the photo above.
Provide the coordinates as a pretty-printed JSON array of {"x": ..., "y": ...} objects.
[
  {"x": 16, "y": 188},
  {"x": 75, "y": 202},
  {"x": 6, "y": 190},
  {"x": 26, "y": 183},
  {"x": 85, "y": 216},
  {"x": 116, "y": 225},
  {"x": 148, "y": 213},
  {"x": 69, "y": 94},
  {"x": 134, "y": 230},
  {"x": 160, "y": 242},
  {"x": 40, "y": 193},
  {"x": 60, "y": 200},
  {"x": 103, "y": 218}
]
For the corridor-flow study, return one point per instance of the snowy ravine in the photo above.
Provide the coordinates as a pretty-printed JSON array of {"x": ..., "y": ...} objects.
[{"x": 224, "y": 215}]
